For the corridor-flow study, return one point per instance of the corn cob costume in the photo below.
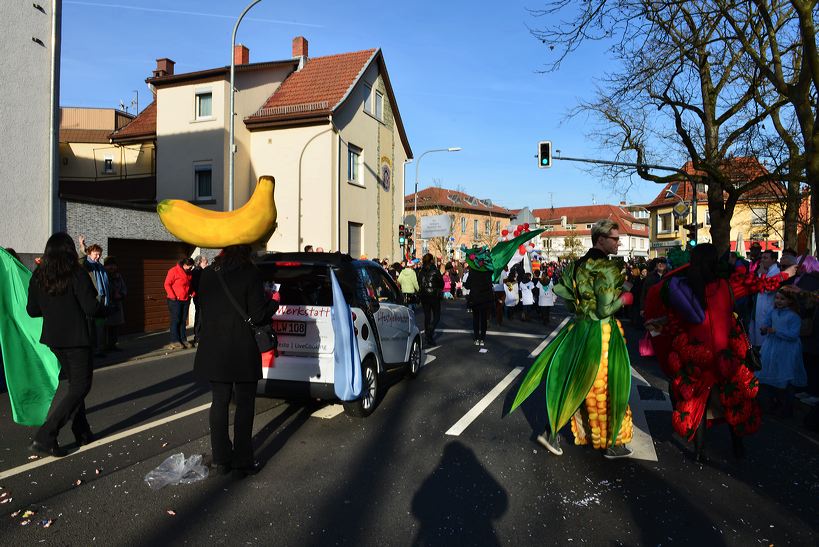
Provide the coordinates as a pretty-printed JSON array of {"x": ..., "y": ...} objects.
[{"x": 586, "y": 367}]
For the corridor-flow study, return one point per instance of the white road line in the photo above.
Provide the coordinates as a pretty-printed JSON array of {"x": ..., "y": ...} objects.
[
  {"x": 491, "y": 333},
  {"x": 642, "y": 444},
  {"x": 102, "y": 442},
  {"x": 328, "y": 412},
  {"x": 428, "y": 359},
  {"x": 552, "y": 335},
  {"x": 476, "y": 410}
]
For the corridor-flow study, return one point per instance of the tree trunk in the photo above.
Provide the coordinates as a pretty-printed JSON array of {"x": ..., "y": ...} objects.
[
  {"x": 720, "y": 218},
  {"x": 793, "y": 202}
]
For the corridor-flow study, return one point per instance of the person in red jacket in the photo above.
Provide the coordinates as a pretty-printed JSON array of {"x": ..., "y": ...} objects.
[{"x": 178, "y": 291}]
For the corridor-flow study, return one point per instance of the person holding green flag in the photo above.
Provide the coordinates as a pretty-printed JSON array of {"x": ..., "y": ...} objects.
[
  {"x": 586, "y": 367},
  {"x": 30, "y": 368},
  {"x": 61, "y": 292}
]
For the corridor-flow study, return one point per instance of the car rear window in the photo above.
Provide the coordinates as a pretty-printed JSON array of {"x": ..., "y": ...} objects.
[{"x": 302, "y": 285}]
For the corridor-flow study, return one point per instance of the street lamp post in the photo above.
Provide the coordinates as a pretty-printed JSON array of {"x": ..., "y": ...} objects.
[
  {"x": 232, "y": 148},
  {"x": 417, "y": 165}
]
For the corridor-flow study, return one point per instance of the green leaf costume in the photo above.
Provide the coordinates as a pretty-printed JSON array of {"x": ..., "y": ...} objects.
[{"x": 587, "y": 351}]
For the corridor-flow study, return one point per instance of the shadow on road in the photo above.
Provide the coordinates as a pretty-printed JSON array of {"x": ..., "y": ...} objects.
[{"x": 459, "y": 501}]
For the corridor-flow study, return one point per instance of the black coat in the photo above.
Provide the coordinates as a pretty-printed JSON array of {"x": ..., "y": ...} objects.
[
  {"x": 227, "y": 350},
  {"x": 65, "y": 323},
  {"x": 430, "y": 282},
  {"x": 480, "y": 288}
]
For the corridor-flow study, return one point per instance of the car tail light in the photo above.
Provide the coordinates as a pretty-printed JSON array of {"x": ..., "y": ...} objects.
[{"x": 287, "y": 264}]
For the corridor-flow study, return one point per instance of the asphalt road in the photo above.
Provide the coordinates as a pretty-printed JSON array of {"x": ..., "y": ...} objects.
[{"x": 397, "y": 477}]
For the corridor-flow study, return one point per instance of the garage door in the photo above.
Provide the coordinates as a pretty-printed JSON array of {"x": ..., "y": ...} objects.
[{"x": 144, "y": 265}]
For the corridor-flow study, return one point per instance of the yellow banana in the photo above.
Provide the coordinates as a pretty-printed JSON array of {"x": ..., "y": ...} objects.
[{"x": 216, "y": 229}]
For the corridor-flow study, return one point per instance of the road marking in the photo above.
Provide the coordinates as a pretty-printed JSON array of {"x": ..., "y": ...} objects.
[
  {"x": 476, "y": 410},
  {"x": 328, "y": 412},
  {"x": 491, "y": 332},
  {"x": 552, "y": 335},
  {"x": 102, "y": 442},
  {"x": 428, "y": 359},
  {"x": 642, "y": 444}
]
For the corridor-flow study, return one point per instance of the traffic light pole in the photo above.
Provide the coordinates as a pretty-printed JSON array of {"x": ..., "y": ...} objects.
[{"x": 645, "y": 166}]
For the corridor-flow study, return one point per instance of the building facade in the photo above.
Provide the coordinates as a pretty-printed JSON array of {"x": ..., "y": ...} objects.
[
  {"x": 473, "y": 221},
  {"x": 568, "y": 230},
  {"x": 758, "y": 216},
  {"x": 29, "y": 207}
]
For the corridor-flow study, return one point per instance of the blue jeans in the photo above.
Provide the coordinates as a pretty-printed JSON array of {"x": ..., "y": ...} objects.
[{"x": 179, "y": 319}]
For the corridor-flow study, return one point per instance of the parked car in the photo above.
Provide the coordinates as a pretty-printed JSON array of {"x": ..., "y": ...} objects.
[{"x": 388, "y": 337}]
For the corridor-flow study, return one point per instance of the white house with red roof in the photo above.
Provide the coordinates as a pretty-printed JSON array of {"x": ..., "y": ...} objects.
[
  {"x": 568, "y": 230},
  {"x": 327, "y": 128}
]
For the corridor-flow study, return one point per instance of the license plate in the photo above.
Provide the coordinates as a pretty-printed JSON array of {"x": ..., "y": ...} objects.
[{"x": 290, "y": 328}]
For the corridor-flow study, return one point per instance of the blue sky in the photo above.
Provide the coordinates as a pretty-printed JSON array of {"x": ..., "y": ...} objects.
[{"x": 464, "y": 73}]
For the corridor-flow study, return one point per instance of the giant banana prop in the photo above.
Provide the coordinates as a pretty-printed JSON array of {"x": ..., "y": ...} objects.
[{"x": 249, "y": 224}]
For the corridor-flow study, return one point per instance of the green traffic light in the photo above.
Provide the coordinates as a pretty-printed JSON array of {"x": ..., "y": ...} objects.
[{"x": 544, "y": 161}]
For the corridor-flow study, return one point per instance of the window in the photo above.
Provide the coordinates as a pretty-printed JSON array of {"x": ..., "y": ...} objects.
[
  {"x": 665, "y": 223},
  {"x": 203, "y": 181},
  {"x": 385, "y": 290},
  {"x": 475, "y": 227},
  {"x": 108, "y": 165},
  {"x": 354, "y": 230},
  {"x": 204, "y": 105},
  {"x": 463, "y": 225},
  {"x": 707, "y": 218},
  {"x": 487, "y": 228},
  {"x": 368, "y": 106},
  {"x": 379, "y": 105},
  {"x": 497, "y": 227},
  {"x": 354, "y": 165},
  {"x": 759, "y": 216}
]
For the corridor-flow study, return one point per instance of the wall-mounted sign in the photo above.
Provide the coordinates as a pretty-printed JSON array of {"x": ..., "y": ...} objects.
[{"x": 436, "y": 226}]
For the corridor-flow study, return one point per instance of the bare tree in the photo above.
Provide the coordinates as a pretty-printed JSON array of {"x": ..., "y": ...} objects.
[
  {"x": 684, "y": 88},
  {"x": 783, "y": 50}
]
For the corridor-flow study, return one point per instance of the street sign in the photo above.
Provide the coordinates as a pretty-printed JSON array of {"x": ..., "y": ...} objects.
[
  {"x": 436, "y": 226},
  {"x": 680, "y": 209},
  {"x": 410, "y": 221},
  {"x": 664, "y": 244}
]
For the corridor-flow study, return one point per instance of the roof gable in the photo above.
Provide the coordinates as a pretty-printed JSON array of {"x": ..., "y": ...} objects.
[
  {"x": 142, "y": 127},
  {"x": 444, "y": 198},
  {"x": 321, "y": 87}
]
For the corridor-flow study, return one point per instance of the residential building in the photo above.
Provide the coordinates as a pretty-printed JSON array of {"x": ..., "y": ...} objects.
[
  {"x": 326, "y": 128},
  {"x": 474, "y": 221},
  {"x": 568, "y": 230},
  {"x": 758, "y": 216},
  {"x": 29, "y": 208}
]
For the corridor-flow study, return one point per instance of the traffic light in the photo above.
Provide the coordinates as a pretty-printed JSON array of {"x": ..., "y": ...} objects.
[
  {"x": 691, "y": 235},
  {"x": 402, "y": 234},
  {"x": 544, "y": 154}
]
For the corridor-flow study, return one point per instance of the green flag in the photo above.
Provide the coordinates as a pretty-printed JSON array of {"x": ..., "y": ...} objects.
[
  {"x": 31, "y": 368},
  {"x": 503, "y": 252}
]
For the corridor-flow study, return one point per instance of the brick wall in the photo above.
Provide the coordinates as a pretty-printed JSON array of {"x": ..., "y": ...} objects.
[{"x": 98, "y": 223}]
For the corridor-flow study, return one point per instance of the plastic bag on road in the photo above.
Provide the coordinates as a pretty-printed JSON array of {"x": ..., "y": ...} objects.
[{"x": 177, "y": 470}]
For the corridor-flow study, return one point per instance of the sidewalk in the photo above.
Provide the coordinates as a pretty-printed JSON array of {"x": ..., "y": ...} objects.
[{"x": 137, "y": 346}]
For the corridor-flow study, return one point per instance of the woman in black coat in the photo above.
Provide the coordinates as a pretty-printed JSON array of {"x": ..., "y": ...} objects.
[
  {"x": 227, "y": 355},
  {"x": 62, "y": 293},
  {"x": 481, "y": 299}
]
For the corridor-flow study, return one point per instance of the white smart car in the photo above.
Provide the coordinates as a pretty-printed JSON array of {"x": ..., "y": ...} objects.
[{"x": 388, "y": 337}]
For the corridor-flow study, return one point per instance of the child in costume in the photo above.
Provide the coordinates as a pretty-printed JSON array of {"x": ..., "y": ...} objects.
[
  {"x": 782, "y": 366},
  {"x": 586, "y": 367}
]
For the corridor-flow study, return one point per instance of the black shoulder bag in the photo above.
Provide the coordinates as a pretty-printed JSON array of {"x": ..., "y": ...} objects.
[{"x": 265, "y": 336}]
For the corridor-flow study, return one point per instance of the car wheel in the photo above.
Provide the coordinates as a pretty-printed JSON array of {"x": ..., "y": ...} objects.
[
  {"x": 415, "y": 359},
  {"x": 370, "y": 391}
]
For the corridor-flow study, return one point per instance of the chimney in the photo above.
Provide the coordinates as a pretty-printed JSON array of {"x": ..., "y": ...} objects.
[
  {"x": 300, "y": 47},
  {"x": 164, "y": 67},
  {"x": 622, "y": 203},
  {"x": 241, "y": 55}
]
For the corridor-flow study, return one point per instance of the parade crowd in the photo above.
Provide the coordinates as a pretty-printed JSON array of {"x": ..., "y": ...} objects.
[{"x": 734, "y": 335}]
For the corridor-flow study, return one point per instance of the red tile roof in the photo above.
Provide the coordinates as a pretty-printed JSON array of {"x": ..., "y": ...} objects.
[
  {"x": 141, "y": 127},
  {"x": 740, "y": 170},
  {"x": 84, "y": 135},
  {"x": 317, "y": 89},
  {"x": 582, "y": 215},
  {"x": 453, "y": 199}
]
